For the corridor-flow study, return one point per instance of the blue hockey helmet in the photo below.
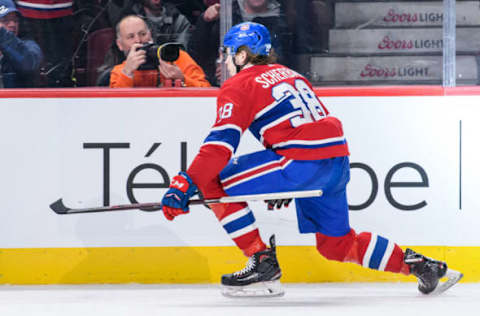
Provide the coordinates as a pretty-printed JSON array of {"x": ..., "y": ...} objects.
[{"x": 253, "y": 35}]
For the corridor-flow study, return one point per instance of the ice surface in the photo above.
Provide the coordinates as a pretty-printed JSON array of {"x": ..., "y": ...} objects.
[{"x": 326, "y": 299}]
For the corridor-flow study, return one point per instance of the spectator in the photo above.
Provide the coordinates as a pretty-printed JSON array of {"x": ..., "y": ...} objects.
[
  {"x": 19, "y": 59},
  {"x": 205, "y": 42},
  {"x": 107, "y": 13},
  {"x": 164, "y": 20},
  {"x": 205, "y": 39},
  {"x": 270, "y": 14},
  {"x": 132, "y": 32},
  {"x": 51, "y": 25},
  {"x": 191, "y": 9}
]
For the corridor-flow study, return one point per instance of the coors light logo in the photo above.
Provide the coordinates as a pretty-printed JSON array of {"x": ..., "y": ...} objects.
[
  {"x": 394, "y": 72},
  {"x": 394, "y": 17},
  {"x": 388, "y": 43}
]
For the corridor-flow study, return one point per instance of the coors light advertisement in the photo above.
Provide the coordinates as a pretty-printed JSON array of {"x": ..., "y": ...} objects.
[
  {"x": 424, "y": 69},
  {"x": 399, "y": 14},
  {"x": 400, "y": 41}
]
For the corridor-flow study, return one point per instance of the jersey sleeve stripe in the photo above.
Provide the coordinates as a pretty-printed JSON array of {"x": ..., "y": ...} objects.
[
  {"x": 225, "y": 136},
  {"x": 267, "y": 108},
  {"x": 223, "y": 144},
  {"x": 277, "y": 113},
  {"x": 278, "y": 121},
  {"x": 227, "y": 126}
]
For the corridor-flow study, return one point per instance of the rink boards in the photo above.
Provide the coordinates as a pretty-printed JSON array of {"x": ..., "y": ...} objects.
[{"x": 414, "y": 180}]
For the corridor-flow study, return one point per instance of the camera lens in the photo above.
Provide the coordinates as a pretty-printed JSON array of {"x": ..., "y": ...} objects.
[{"x": 170, "y": 52}]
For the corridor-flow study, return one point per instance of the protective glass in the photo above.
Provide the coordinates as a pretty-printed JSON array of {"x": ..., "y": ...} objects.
[{"x": 223, "y": 53}]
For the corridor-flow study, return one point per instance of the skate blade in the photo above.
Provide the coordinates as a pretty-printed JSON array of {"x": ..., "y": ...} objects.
[
  {"x": 452, "y": 278},
  {"x": 260, "y": 289}
]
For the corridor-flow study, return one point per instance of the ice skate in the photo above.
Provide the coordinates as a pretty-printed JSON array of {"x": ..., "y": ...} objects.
[
  {"x": 260, "y": 278},
  {"x": 429, "y": 272}
]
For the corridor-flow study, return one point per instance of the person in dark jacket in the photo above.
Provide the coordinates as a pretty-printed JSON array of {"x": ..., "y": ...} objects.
[
  {"x": 19, "y": 58},
  {"x": 50, "y": 23}
]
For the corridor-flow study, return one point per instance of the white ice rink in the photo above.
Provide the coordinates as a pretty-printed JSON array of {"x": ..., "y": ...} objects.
[{"x": 330, "y": 299}]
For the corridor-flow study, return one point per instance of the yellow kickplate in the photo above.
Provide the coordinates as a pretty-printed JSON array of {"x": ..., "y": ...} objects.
[{"x": 198, "y": 265}]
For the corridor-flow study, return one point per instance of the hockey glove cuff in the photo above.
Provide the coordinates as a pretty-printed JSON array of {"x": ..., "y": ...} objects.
[{"x": 175, "y": 200}]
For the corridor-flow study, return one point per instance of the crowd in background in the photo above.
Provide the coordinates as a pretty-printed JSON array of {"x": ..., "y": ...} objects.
[{"x": 56, "y": 43}]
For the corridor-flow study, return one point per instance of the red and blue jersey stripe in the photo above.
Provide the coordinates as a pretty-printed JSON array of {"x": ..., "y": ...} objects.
[
  {"x": 227, "y": 135},
  {"x": 280, "y": 109},
  {"x": 45, "y": 9}
]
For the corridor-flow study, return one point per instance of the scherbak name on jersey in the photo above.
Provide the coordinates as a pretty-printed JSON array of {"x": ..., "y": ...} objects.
[{"x": 273, "y": 76}]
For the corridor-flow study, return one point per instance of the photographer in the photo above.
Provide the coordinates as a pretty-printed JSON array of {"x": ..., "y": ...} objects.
[{"x": 132, "y": 35}]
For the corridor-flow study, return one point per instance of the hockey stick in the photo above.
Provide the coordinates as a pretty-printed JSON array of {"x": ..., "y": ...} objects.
[{"x": 60, "y": 208}]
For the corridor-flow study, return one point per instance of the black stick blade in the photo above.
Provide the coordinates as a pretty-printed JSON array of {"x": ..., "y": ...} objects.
[{"x": 59, "y": 208}]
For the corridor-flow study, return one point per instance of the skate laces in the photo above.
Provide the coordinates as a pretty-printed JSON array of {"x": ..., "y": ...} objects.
[{"x": 250, "y": 265}]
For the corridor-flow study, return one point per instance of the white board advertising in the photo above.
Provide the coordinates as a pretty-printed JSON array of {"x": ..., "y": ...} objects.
[{"x": 413, "y": 179}]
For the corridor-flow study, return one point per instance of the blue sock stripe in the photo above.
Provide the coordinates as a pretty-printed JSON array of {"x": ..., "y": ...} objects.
[
  {"x": 240, "y": 223},
  {"x": 378, "y": 253}
]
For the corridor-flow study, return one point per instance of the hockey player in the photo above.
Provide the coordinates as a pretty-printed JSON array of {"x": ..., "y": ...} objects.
[{"x": 305, "y": 150}]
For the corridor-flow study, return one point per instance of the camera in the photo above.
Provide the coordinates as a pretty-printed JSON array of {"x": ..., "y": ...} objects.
[{"x": 167, "y": 52}]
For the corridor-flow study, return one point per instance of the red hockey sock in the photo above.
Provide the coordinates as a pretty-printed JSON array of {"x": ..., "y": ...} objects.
[
  {"x": 238, "y": 220},
  {"x": 367, "y": 249}
]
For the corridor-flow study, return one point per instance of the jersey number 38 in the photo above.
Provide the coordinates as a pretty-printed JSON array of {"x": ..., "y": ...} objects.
[{"x": 303, "y": 100}]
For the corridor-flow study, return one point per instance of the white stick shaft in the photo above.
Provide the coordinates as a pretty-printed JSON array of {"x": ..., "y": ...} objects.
[{"x": 268, "y": 196}]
